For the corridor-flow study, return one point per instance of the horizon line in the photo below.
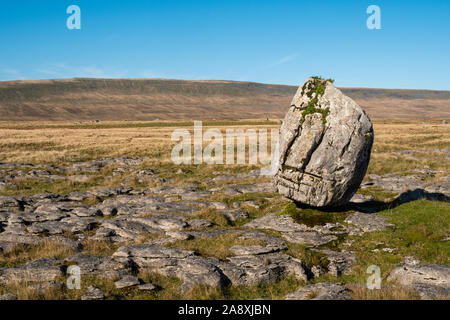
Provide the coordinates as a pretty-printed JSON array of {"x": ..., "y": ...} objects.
[{"x": 209, "y": 80}]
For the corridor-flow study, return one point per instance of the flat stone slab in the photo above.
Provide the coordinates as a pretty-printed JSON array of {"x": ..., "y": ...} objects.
[
  {"x": 262, "y": 268},
  {"x": 93, "y": 293},
  {"x": 341, "y": 262},
  {"x": 308, "y": 237},
  {"x": 369, "y": 222},
  {"x": 97, "y": 265},
  {"x": 429, "y": 274},
  {"x": 147, "y": 287},
  {"x": 321, "y": 291},
  {"x": 40, "y": 270},
  {"x": 234, "y": 214},
  {"x": 430, "y": 292},
  {"x": 8, "y": 296},
  {"x": 183, "y": 264},
  {"x": 126, "y": 282},
  {"x": 253, "y": 250}
]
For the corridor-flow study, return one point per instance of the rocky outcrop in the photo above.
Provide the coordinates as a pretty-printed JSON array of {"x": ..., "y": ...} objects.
[
  {"x": 433, "y": 274},
  {"x": 183, "y": 264},
  {"x": 325, "y": 145},
  {"x": 44, "y": 269}
]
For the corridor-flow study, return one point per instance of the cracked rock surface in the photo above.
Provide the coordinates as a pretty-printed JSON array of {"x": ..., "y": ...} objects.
[
  {"x": 320, "y": 291},
  {"x": 431, "y": 281},
  {"x": 325, "y": 145}
]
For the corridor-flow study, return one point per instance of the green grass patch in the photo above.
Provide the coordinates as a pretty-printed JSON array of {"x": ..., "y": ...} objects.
[
  {"x": 420, "y": 227},
  {"x": 311, "y": 217}
]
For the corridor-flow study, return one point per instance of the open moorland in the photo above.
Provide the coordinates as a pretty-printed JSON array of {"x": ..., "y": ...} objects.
[
  {"x": 106, "y": 197},
  {"x": 165, "y": 99}
]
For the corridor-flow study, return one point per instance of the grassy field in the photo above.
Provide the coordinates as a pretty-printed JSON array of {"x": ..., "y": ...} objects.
[
  {"x": 420, "y": 225},
  {"x": 62, "y": 143}
]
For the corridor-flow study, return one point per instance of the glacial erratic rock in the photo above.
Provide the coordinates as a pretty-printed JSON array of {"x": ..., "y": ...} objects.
[{"x": 325, "y": 146}]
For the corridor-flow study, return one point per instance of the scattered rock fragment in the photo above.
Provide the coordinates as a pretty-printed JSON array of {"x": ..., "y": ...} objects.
[
  {"x": 341, "y": 262},
  {"x": 44, "y": 269},
  {"x": 127, "y": 281},
  {"x": 8, "y": 296},
  {"x": 41, "y": 288},
  {"x": 147, "y": 287},
  {"x": 234, "y": 214},
  {"x": 183, "y": 264},
  {"x": 93, "y": 293},
  {"x": 368, "y": 222},
  {"x": 321, "y": 291}
]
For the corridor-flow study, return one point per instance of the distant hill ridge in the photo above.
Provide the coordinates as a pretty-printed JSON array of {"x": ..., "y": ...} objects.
[{"x": 166, "y": 99}]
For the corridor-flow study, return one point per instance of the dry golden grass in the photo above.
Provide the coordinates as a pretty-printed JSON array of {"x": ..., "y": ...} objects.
[
  {"x": 432, "y": 137},
  {"x": 362, "y": 293},
  {"x": 64, "y": 146},
  {"x": 24, "y": 253},
  {"x": 107, "y": 248},
  {"x": 56, "y": 143},
  {"x": 99, "y": 248},
  {"x": 24, "y": 291},
  {"x": 24, "y": 143}
]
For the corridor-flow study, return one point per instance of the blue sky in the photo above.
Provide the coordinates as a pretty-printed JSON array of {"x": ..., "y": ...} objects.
[{"x": 264, "y": 41}]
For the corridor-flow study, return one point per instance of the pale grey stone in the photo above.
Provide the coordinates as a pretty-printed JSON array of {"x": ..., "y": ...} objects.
[
  {"x": 429, "y": 274},
  {"x": 263, "y": 268},
  {"x": 8, "y": 296},
  {"x": 274, "y": 221},
  {"x": 179, "y": 235},
  {"x": 430, "y": 292},
  {"x": 147, "y": 287},
  {"x": 361, "y": 198},
  {"x": 219, "y": 205},
  {"x": 41, "y": 288},
  {"x": 126, "y": 282},
  {"x": 9, "y": 202},
  {"x": 183, "y": 264},
  {"x": 308, "y": 237},
  {"x": 79, "y": 178},
  {"x": 234, "y": 214},
  {"x": 253, "y": 250},
  {"x": 369, "y": 222},
  {"x": 195, "y": 195},
  {"x": 321, "y": 291},
  {"x": 78, "y": 196},
  {"x": 87, "y": 212},
  {"x": 99, "y": 266},
  {"x": 40, "y": 270},
  {"x": 93, "y": 293}
]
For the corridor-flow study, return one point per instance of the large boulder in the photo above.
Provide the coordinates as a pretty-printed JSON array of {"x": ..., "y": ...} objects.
[{"x": 325, "y": 145}]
